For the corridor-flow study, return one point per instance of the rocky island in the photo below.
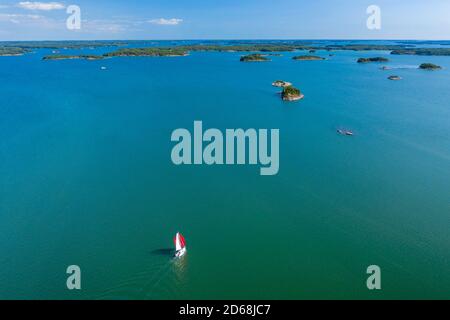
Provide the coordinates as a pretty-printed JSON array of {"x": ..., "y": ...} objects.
[
  {"x": 307, "y": 58},
  {"x": 375, "y": 59},
  {"x": 291, "y": 93},
  {"x": 281, "y": 83},
  {"x": 254, "y": 58},
  {"x": 429, "y": 66}
]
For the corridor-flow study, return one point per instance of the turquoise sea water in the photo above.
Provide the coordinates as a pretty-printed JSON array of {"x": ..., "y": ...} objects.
[{"x": 86, "y": 178}]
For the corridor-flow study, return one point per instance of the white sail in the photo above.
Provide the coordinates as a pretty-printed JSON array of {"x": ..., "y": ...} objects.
[{"x": 177, "y": 242}]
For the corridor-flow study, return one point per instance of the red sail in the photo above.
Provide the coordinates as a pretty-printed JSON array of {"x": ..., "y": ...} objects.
[
  {"x": 179, "y": 241},
  {"x": 182, "y": 241}
]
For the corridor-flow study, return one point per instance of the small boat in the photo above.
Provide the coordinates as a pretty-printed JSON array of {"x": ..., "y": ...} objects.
[
  {"x": 103, "y": 68},
  {"x": 345, "y": 132},
  {"x": 180, "y": 245}
]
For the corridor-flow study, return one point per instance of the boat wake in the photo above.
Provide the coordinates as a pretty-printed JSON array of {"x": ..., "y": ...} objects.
[
  {"x": 165, "y": 279},
  {"x": 401, "y": 66}
]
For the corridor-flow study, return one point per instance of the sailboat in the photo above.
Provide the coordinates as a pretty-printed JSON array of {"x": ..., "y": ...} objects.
[
  {"x": 180, "y": 245},
  {"x": 345, "y": 132}
]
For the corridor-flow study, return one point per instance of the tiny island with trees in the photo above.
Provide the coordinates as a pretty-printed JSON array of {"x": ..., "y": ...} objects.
[
  {"x": 429, "y": 66},
  {"x": 290, "y": 93},
  {"x": 255, "y": 57},
  {"x": 375, "y": 59},
  {"x": 307, "y": 58}
]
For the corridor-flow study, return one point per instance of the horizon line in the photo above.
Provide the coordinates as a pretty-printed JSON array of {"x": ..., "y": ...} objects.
[{"x": 232, "y": 39}]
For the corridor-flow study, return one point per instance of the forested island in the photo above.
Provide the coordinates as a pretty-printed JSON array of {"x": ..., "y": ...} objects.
[
  {"x": 60, "y": 44},
  {"x": 429, "y": 66},
  {"x": 291, "y": 93},
  {"x": 148, "y": 52},
  {"x": 307, "y": 58},
  {"x": 71, "y": 57},
  {"x": 375, "y": 59},
  {"x": 12, "y": 51},
  {"x": 254, "y": 58},
  {"x": 423, "y": 52},
  {"x": 125, "y": 52},
  {"x": 365, "y": 47},
  {"x": 257, "y": 50},
  {"x": 22, "y": 47},
  {"x": 245, "y": 48}
]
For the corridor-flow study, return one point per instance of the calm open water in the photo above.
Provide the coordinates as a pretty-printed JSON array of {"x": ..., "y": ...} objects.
[{"x": 86, "y": 178}]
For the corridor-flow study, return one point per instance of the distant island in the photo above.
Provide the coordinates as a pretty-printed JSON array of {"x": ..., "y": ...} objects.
[
  {"x": 148, "y": 52},
  {"x": 242, "y": 46},
  {"x": 60, "y": 44},
  {"x": 366, "y": 47},
  {"x": 429, "y": 66},
  {"x": 125, "y": 52},
  {"x": 71, "y": 57},
  {"x": 291, "y": 93},
  {"x": 281, "y": 83},
  {"x": 395, "y": 78},
  {"x": 148, "y": 48},
  {"x": 307, "y": 58},
  {"x": 12, "y": 51},
  {"x": 255, "y": 57},
  {"x": 423, "y": 51},
  {"x": 375, "y": 59},
  {"x": 269, "y": 47}
]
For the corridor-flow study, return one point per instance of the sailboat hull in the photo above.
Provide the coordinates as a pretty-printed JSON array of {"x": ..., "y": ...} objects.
[{"x": 180, "y": 253}]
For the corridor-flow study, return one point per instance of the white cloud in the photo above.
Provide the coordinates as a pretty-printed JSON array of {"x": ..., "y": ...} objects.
[
  {"x": 45, "y": 6},
  {"x": 5, "y": 16},
  {"x": 18, "y": 18},
  {"x": 166, "y": 22}
]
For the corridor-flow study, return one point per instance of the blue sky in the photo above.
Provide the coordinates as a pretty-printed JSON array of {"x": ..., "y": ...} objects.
[{"x": 227, "y": 19}]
